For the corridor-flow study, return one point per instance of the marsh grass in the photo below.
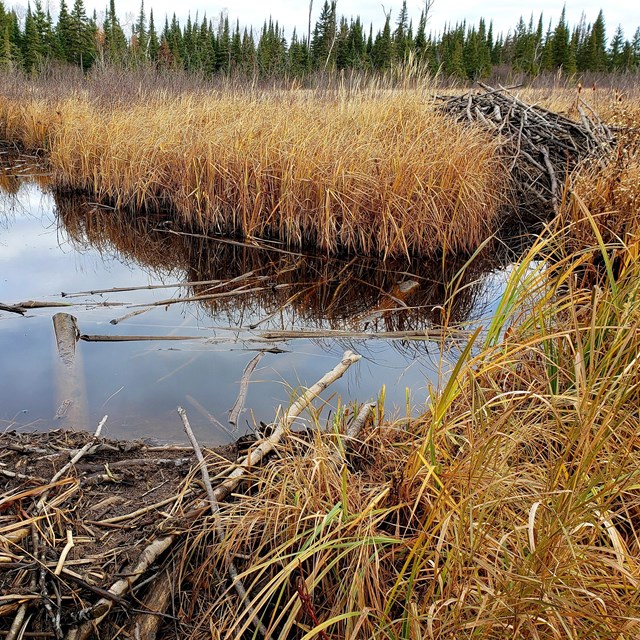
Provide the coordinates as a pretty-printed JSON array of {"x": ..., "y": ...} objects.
[
  {"x": 510, "y": 509},
  {"x": 371, "y": 170}
]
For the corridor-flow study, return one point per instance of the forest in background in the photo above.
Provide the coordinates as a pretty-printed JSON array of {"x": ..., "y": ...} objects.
[{"x": 34, "y": 42}]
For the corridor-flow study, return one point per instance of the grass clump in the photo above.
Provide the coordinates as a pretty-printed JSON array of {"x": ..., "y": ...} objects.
[
  {"x": 510, "y": 509},
  {"x": 369, "y": 171}
]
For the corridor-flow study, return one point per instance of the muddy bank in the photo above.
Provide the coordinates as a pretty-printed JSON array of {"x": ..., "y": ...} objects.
[
  {"x": 65, "y": 538},
  {"x": 91, "y": 527}
]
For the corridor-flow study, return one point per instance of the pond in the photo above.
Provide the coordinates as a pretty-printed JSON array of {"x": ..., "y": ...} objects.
[{"x": 220, "y": 308}]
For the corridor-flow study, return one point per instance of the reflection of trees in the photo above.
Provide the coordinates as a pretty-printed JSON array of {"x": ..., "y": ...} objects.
[
  {"x": 15, "y": 171},
  {"x": 287, "y": 289}
]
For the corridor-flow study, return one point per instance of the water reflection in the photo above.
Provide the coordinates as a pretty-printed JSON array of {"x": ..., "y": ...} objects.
[
  {"x": 263, "y": 286},
  {"x": 53, "y": 242}
]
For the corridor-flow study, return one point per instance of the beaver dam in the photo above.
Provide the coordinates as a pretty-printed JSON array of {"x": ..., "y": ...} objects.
[{"x": 319, "y": 258}]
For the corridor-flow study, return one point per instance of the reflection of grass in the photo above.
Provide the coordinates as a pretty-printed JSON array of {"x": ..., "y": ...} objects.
[
  {"x": 511, "y": 509},
  {"x": 369, "y": 171},
  {"x": 360, "y": 294}
]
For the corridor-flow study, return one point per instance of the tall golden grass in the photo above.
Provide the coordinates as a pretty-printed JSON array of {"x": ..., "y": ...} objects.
[
  {"x": 372, "y": 171},
  {"x": 510, "y": 509}
]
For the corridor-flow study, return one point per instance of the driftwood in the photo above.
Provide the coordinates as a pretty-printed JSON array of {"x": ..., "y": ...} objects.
[
  {"x": 542, "y": 147},
  {"x": 150, "y": 287},
  {"x": 65, "y": 327},
  {"x": 13, "y": 308},
  {"x": 311, "y": 334},
  {"x": 234, "y": 413}
]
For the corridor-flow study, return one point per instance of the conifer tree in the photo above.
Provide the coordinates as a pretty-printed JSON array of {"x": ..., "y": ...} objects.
[
  {"x": 236, "y": 47},
  {"x": 357, "y": 45},
  {"x": 298, "y": 57},
  {"x": 598, "y": 45},
  {"x": 616, "y": 53},
  {"x": 154, "y": 45},
  {"x": 224, "y": 43},
  {"x": 115, "y": 41},
  {"x": 420, "y": 42},
  {"x": 323, "y": 38},
  {"x": 562, "y": 50},
  {"x": 400, "y": 40},
  {"x": 141, "y": 36},
  {"x": 249, "y": 63},
  {"x": 635, "y": 49},
  {"x": 382, "y": 52},
  {"x": 81, "y": 43}
]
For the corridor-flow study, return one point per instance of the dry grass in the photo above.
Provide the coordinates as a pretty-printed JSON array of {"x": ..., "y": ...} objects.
[
  {"x": 309, "y": 169},
  {"x": 510, "y": 509},
  {"x": 610, "y": 192}
]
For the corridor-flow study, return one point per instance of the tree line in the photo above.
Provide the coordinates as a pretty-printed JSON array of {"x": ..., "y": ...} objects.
[{"x": 333, "y": 43}]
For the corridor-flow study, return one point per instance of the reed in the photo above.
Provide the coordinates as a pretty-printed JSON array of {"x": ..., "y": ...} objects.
[
  {"x": 371, "y": 171},
  {"x": 509, "y": 509}
]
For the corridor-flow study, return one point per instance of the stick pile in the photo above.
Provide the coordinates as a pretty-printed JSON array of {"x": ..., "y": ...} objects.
[{"x": 543, "y": 146}]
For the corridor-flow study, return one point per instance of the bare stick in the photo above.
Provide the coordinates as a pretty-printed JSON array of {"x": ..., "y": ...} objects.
[
  {"x": 157, "y": 600},
  {"x": 107, "y": 338},
  {"x": 244, "y": 386},
  {"x": 128, "y": 316},
  {"x": 552, "y": 177},
  {"x": 215, "y": 511},
  {"x": 11, "y": 308},
  {"x": 356, "y": 427},
  {"x": 65, "y": 553},
  {"x": 16, "y": 626},
  {"x": 81, "y": 452},
  {"x": 147, "y": 287},
  {"x": 100, "y": 610},
  {"x": 431, "y": 334},
  {"x": 267, "y": 445}
]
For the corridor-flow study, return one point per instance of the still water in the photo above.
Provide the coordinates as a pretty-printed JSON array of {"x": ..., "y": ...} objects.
[{"x": 250, "y": 301}]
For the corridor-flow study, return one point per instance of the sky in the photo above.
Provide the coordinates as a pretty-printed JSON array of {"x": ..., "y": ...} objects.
[{"x": 294, "y": 13}]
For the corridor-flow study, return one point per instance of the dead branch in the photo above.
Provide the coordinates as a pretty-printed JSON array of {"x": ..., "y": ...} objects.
[{"x": 244, "y": 386}]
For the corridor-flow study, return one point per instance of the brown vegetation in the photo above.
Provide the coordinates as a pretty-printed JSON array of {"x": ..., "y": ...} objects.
[
  {"x": 309, "y": 169},
  {"x": 509, "y": 509}
]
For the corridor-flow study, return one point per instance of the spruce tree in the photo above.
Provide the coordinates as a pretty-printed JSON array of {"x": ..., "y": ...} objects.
[
  {"x": 154, "y": 45},
  {"x": 382, "y": 51},
  {"x": 114, "y": 40},
  {"x": 82, "y": 46},
  {"x": 563, "y": 57},
  {"x": 324, "y": 35},
  {"x": 140, "y": 32},
  {"x": 31, "y": 45},
  {"x": 400, "y": 41},
  {"x": 598, "y": 45},
  {"x": 616, "y": 52}
]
